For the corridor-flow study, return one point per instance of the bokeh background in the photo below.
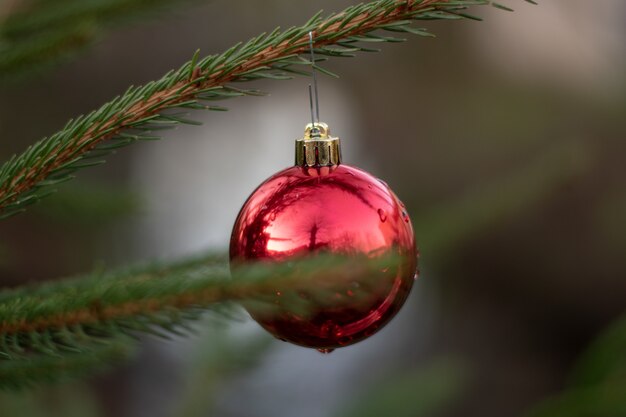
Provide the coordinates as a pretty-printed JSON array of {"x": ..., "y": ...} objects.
[{"x": 505, "y": 139}]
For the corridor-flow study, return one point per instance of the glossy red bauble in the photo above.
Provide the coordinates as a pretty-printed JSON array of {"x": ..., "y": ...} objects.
[{"x": 340, "y": 210}]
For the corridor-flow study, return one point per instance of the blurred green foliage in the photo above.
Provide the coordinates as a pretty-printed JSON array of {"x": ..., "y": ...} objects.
[
  {"x": 425, "y": 392},
  {"x": 85, "y": 204},
  {"x": 69, "y": 400},
  {"x": 41, "y": 33},
  {"x": 218, "y": 356},
  {"x": 597, "y": 385},
  {"x": 35, "y": 369},
  {"x": 490, "y": 202}
]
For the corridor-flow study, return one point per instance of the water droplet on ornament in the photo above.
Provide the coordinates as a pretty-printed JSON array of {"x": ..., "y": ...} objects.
[
  {"x": 325, "y": 351},
  {"x": 382, "y": 182},
  {"x": 369, "y": 186},
  {"x": 327, "y": 328},
  {"x": 405, "y": 216},
  {"x": 382, "y": 214}
]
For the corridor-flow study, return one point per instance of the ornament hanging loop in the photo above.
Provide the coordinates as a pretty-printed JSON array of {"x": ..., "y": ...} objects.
[
  {"x": 317, "y": 148},
  {"x": 315, "y": 112}
]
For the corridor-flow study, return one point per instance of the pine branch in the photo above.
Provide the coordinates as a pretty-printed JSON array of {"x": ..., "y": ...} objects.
[
  {"x": 27, "y": 178},
  {"x": 73, "y": 324},
  {"x": 159, "y": 289}
]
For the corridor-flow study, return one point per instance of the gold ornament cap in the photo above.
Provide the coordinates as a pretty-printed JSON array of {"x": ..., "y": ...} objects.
[{"x": 317, "y": 148}]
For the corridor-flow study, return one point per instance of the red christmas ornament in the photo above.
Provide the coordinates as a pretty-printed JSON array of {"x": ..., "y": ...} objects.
[{"x": 322, "y": 206}]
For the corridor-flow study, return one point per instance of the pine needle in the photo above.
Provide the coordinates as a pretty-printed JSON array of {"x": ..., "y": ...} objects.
[{"x": 141, "y": 111}]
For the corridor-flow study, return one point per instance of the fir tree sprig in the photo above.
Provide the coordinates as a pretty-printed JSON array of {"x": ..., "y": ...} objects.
[
  {"x": 74, "y": 324},
  {"x": 141, "y": 111},
  {"x": 161, "y": 295}
]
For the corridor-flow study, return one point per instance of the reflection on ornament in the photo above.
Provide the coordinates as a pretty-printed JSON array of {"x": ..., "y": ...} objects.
[{"x": 322, "y": 206}]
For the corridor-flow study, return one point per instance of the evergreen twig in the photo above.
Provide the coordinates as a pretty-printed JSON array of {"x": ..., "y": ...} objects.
[
  {"x": 159, "y": 289},
  {"x": 74, "y": 324},
  {"x": 26, "y": 178}
]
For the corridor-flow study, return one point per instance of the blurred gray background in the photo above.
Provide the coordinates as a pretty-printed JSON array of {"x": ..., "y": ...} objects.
[{"x": 505, "y": 139}]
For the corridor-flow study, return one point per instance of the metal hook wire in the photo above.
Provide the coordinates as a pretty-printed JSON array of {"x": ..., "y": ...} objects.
[
  {"x": 311, "y": 105},
  {"x": 317, "y": 104}
]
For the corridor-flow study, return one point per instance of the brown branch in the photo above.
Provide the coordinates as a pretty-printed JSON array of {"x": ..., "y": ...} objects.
[
  {"x": 311, "y": 273},
  {"x": 98, "y": 313},
  {"x": 184, "y": 91}
]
